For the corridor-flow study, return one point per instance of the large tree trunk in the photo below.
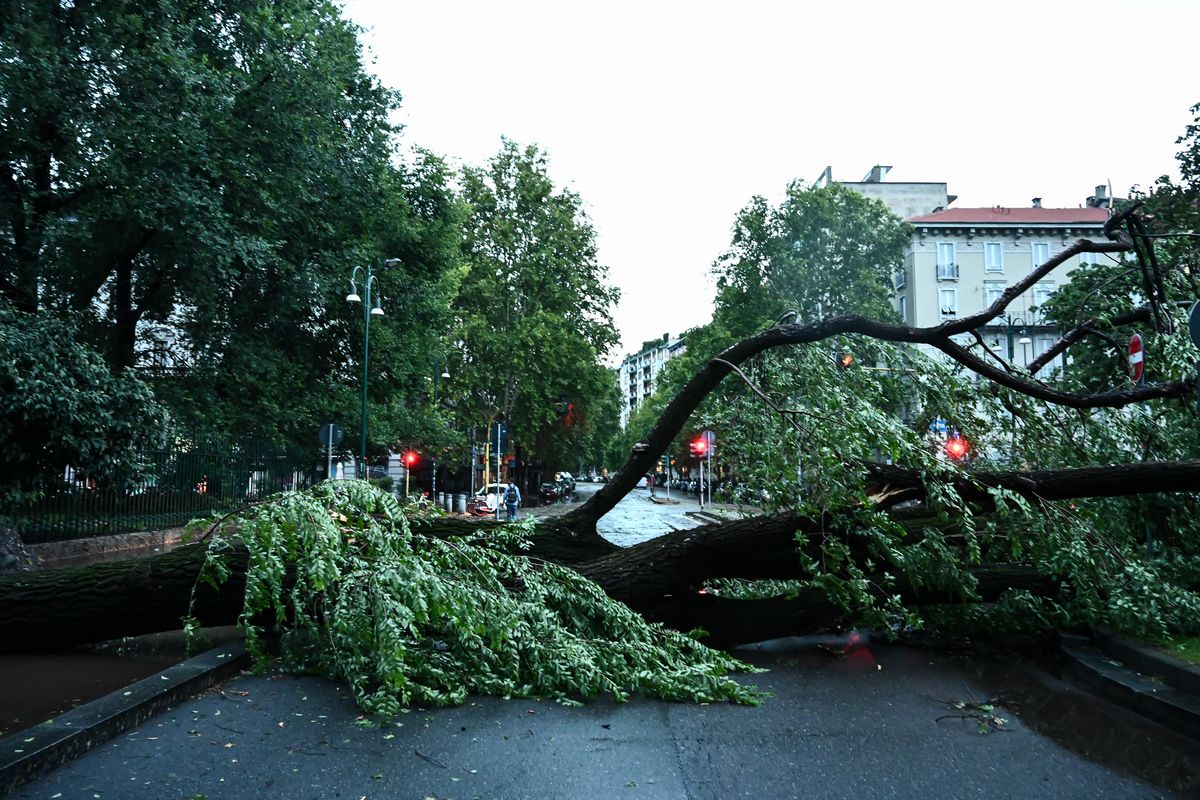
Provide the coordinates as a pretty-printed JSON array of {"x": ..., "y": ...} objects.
[{"x": 660, "y": 578}]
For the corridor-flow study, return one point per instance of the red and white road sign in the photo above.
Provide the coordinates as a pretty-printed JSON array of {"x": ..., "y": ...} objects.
[{"x": 1136, "y": 357}]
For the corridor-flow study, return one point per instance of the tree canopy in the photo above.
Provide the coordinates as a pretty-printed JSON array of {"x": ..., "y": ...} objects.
[{"x": 533, "y": 315}]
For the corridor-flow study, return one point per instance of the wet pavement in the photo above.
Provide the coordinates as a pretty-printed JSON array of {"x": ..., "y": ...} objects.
[{"x": 872, "y": 723}]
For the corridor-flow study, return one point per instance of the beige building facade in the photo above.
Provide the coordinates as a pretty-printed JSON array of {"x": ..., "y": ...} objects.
[{"x": 962, "y": 259}]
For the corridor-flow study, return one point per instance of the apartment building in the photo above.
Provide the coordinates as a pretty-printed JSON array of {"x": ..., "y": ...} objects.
[
  {"x": 962, "y": 259},
  {"x": 638, "y": 373}
]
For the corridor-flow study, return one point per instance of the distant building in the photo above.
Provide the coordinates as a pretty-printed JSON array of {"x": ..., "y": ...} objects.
[
  {"x": 638, "y": 373},
  {"x": 962, "y": 259}
]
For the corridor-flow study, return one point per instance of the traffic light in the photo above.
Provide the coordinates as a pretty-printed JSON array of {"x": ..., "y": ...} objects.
[
  {"x": 411, "y": 458},
  {"x": 844, "y": 360},
  {"x": 957, "y": 447},
  {"x": 698, "y": 447}
]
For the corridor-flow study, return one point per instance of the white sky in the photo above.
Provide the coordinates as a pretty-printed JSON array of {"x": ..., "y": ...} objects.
[{"x": 666, "y": 117}]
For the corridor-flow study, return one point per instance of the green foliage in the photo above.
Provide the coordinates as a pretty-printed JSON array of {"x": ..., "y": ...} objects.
[
  {"x": 406, "y": 618},
  {"x": 823, "y": 251},
  {"x": 534, "y": 312},
  {"x": 199, "y": 178},
  {"x": 60, "y": 406}
]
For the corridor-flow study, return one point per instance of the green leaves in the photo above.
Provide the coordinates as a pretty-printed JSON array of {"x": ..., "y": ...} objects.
[
  {"x": 534, "y": 312},
  {"x": 412, "y": 619},
  {"x": 60, "y": 406}
]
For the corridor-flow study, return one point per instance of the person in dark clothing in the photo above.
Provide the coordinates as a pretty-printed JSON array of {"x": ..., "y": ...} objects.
[{"x": 512, "y": 501}]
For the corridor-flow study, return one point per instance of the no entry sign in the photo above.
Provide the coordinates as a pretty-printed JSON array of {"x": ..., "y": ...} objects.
[{"x": 1137, "y": 358}]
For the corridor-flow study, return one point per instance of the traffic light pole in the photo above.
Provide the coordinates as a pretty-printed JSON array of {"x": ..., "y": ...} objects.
[
  {"x": 498, "y": 470},
  {"x": 710, "y": 475}
]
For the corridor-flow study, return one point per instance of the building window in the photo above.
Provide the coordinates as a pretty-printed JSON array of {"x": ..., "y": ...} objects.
[
  {"x": 1042, "y": 293},
  {"x": 1040, "y": 345},
  {"x": 993, "y": 257},
  {"x": 1089, "y": 258},
  {"x": 947, "y": 269},
  {"x": 900, "y": 276},
  {"x": 948, "y": 301},
  {"x": 1041, "y": 253},
  {"x": 992, "y": 293},
  {"x": 904, "y": 308}
]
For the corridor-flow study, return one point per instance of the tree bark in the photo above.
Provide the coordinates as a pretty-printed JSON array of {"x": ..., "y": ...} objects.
[{"x": 660, "y": 578}]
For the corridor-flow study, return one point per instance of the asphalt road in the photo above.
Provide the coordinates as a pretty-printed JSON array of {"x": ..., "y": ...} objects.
[
  {"x": 873, "y": 722},
  {"x": 862, "y": 725},
  {"x": 636, "y": 518}
]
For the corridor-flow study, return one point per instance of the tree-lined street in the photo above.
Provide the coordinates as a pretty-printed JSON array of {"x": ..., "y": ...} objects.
[{"x": 218, "y": 248}]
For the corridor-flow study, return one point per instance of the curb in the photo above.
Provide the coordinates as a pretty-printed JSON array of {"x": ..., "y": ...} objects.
[
  {"x": 1149, "y": 660},
  {"x": 1130, "y": 675},
  {"x": 1077, "y": 718},
  {"x": 34, "y": 751}
]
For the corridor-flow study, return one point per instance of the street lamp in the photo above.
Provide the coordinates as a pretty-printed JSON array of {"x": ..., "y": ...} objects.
[
  {"x": 369, "y": 310},
  {"x": 1009, "y": 323},
  {"x": 444, "y": 374}
]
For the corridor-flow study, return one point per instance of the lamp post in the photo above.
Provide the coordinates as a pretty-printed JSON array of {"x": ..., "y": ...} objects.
[
  {"x": 444, "y": 374},
  {"x": 1019, "y": 323},
  {"x": 369, "y": 310},
  {"x": 1009, "y": 324}
]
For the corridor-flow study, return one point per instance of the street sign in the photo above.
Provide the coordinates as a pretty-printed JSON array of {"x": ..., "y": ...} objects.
[
  {"x": 330, "y": 434},
  {"x": 709, "y": 437},
  {"x": 1137, "y": 359},
  {"x": 1194, "y": 323},
  {"x": 939, "y": 426}
]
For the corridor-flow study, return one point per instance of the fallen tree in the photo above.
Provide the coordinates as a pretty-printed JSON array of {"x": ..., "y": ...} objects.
[
  {"x": 902, "y": 541},
  {"x": 660, "y": 578}
]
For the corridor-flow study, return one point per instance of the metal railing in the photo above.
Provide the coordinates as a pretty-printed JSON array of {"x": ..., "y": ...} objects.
[
  {"x": 195, "y": 478},
  {"x": 947, "y": 272}
]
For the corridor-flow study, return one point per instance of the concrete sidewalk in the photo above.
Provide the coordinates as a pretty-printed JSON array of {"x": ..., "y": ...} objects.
[{"x": 870, "y": 723}]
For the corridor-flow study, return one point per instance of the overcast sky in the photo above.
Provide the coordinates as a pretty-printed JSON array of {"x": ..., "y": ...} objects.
[{"x": 666, "y": 117}]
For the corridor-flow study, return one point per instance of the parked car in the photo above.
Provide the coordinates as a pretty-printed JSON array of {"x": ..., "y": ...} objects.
[
  {"x": 489, "y": 497},
  {"x": 551, "y": 492}
]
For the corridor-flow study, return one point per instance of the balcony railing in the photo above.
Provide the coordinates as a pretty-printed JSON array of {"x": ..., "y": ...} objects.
[{"x": 947, "y": 272}]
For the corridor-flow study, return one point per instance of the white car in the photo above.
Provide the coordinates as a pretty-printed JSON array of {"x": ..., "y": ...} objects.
[{"x": 492, "y": 494}]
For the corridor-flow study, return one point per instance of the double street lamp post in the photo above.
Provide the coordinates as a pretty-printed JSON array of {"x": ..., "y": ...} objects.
[
  {"x": 1009, "y": 324},
  {"x": 369, "y": 310}
]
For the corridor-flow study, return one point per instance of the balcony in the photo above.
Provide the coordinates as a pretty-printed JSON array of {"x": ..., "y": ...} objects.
[{"x": 947, "y": 272}]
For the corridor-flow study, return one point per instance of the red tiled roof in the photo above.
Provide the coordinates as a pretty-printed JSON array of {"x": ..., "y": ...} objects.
[{"x": 1016, "y": 216}]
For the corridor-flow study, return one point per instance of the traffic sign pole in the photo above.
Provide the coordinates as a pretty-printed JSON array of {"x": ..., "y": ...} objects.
[
  {"x": 329, "y": 435},
  {"x": 1137, "y": 360}
]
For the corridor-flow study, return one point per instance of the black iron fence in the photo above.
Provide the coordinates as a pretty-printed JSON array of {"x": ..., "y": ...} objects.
[{"x": 194, "y": 478}]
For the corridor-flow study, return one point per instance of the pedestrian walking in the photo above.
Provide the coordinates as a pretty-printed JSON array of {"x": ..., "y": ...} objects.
[{"x": 512, "y": 500}]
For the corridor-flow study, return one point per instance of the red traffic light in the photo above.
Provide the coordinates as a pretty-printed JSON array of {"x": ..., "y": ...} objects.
[
  {"x": 957, "y": 447},
  {"x": 698, "y": 447},
  {"x": 410, "y": 458}
]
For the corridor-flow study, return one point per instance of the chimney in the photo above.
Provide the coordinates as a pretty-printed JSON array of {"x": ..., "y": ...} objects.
[
  {"x": 877, "y": 174},
  {"x": 1100, "y": 198},
  {"x": 666, "y": 338},
  {"x": 1037, "y": 202}
]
